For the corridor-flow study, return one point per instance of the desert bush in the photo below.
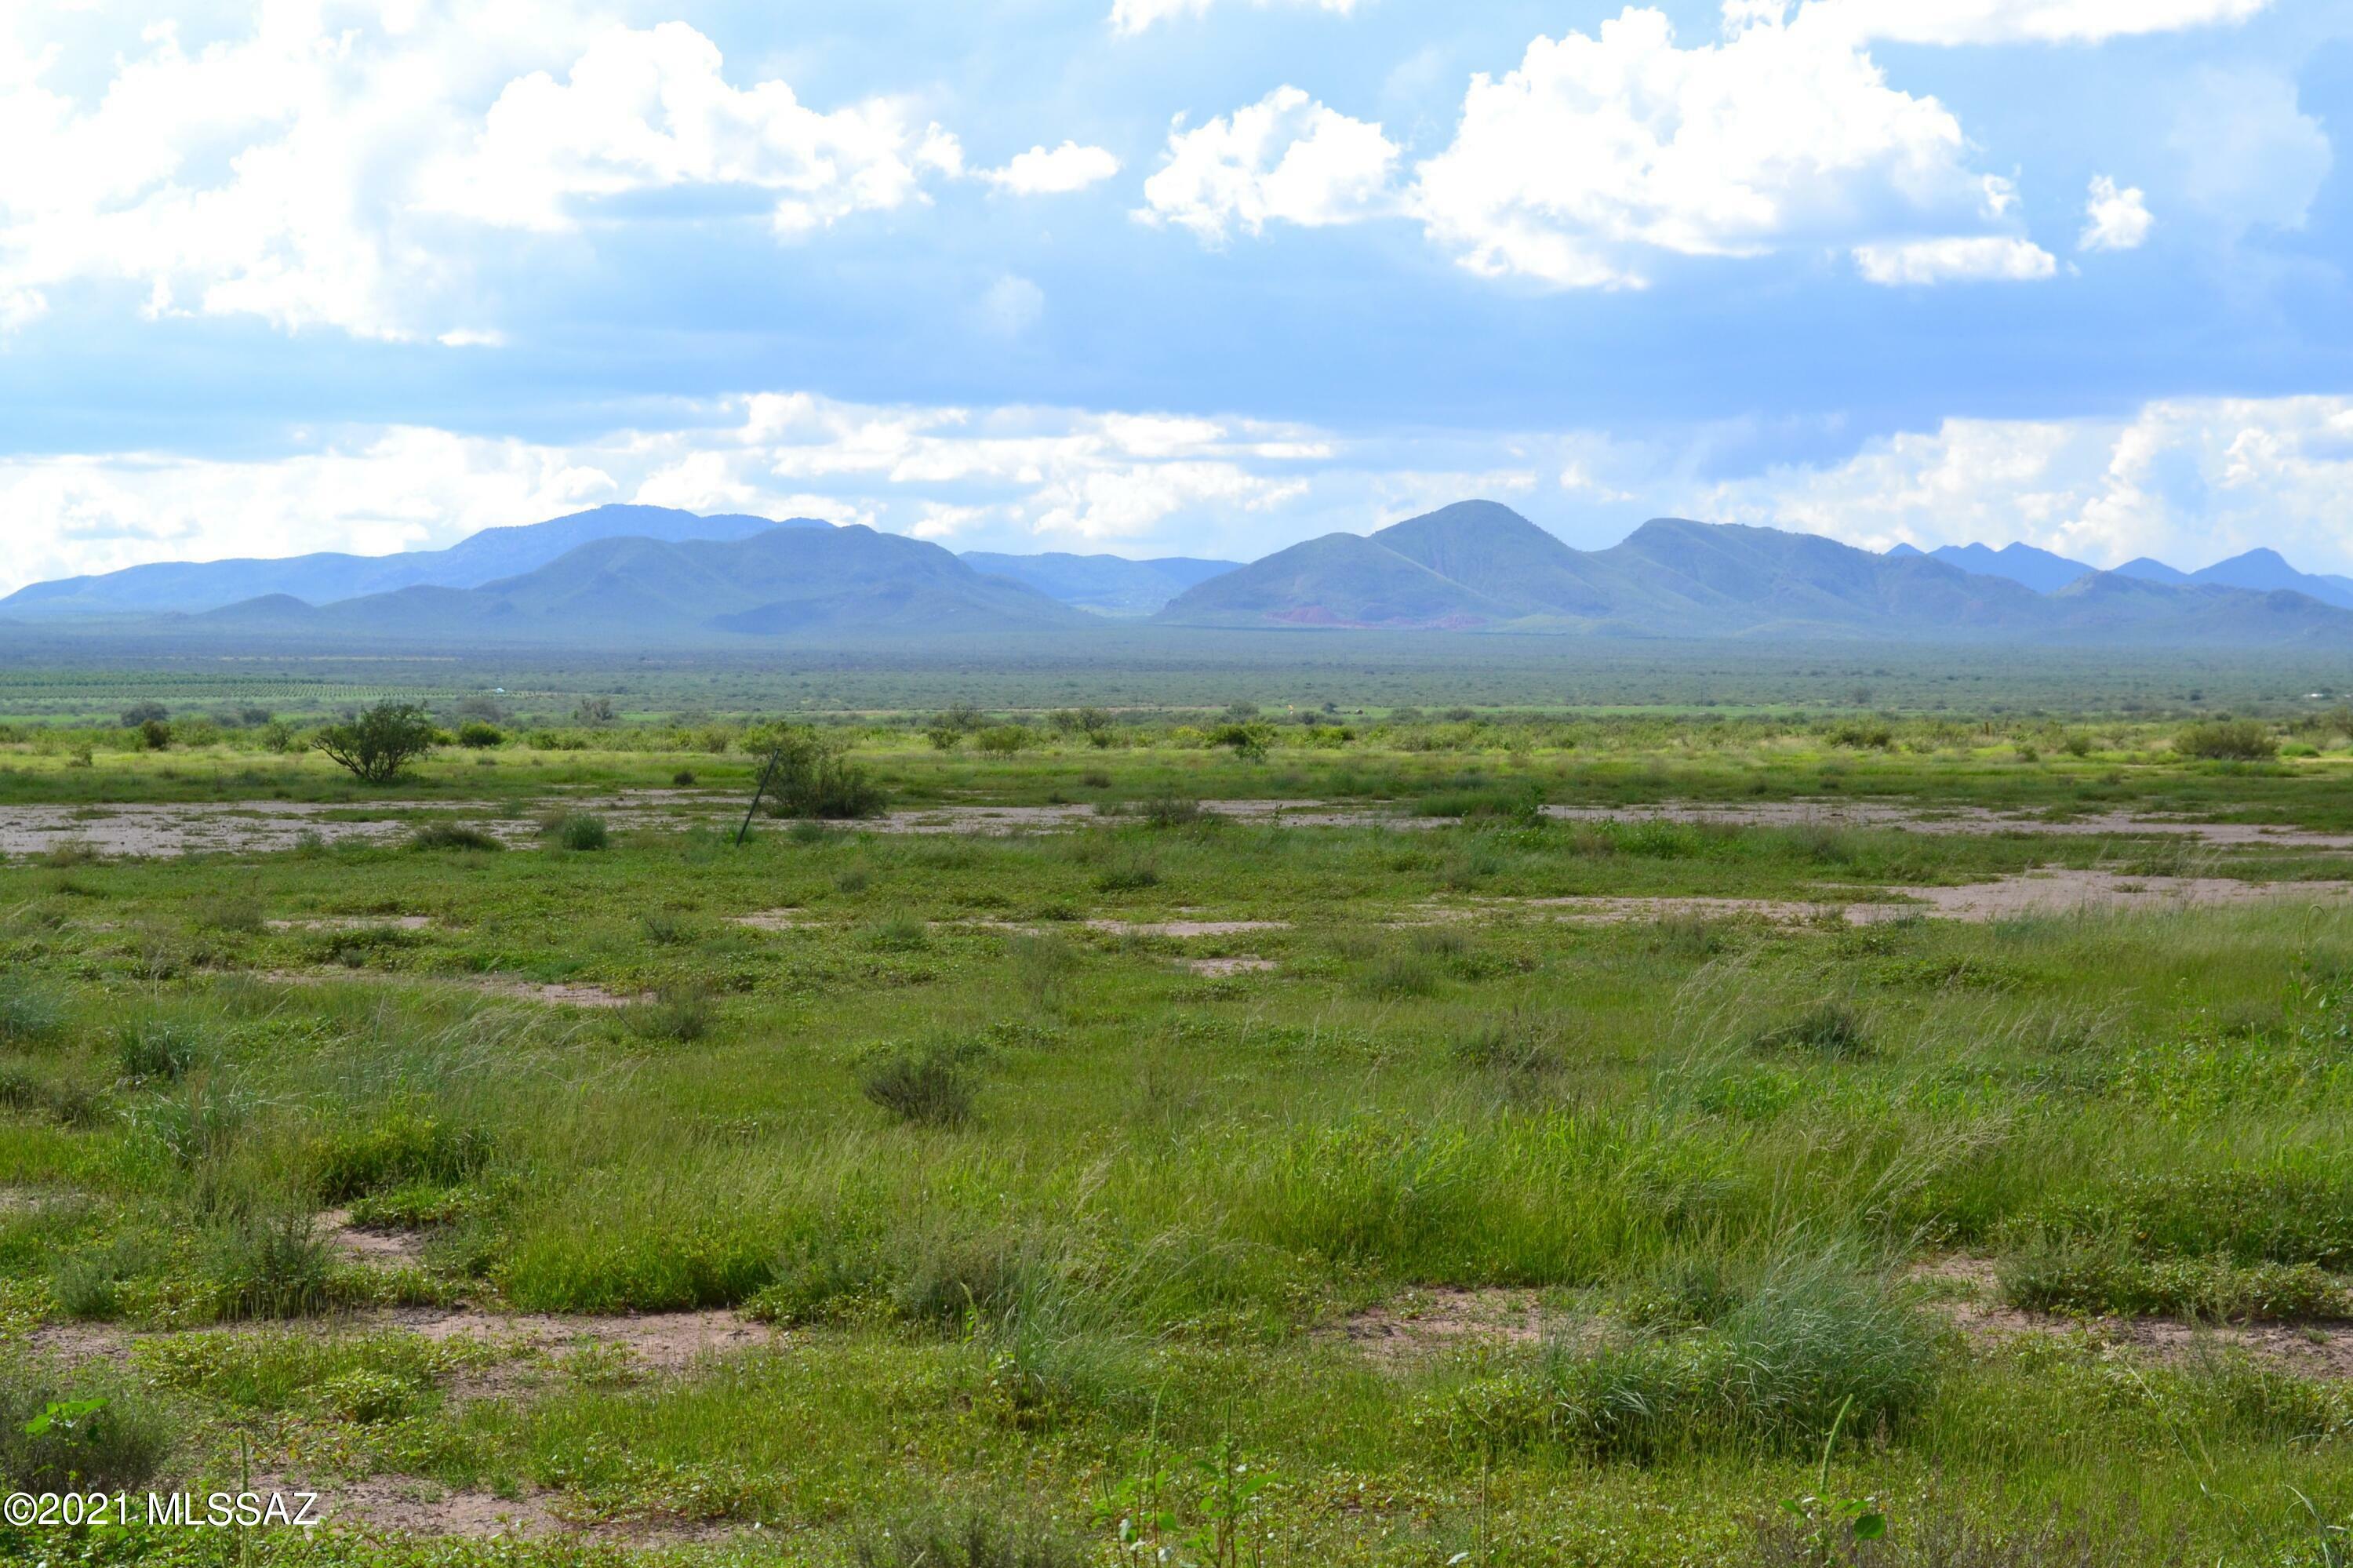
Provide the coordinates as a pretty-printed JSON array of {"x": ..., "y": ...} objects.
[
  {"x": 2227, "y": 740},
  {"x": 377, "y": 744},
  {"x": 679, "y": 1014},
  {"x": 579, "y": 831},
  {"x": 157, "y": 1049},
  {"x": 268, "y": 1265},
  {"x": 479, "y": 735},
  {"x": 928, "y": 1085},
  {"x": 968, "y": 1536},
  {"x": 1834, "y": 1030},
  {"x": 84, "y": 1430},
  {"x": 810, "y": 777},
  {"x": 452, "y": 836}
]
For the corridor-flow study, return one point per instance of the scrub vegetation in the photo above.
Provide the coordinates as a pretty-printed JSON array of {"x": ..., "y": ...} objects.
[{"x": 1035, "y": 1148}]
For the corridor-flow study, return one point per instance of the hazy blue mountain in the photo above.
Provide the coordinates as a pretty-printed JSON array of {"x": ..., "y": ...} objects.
[
  {"x": 2153, "y": 571},
  {"x": 2039, "y": 569},
  {"x": 783, "y": 582},
  {"x": 1481, "y": 565},
  {"x": 190, "y": 587},
  {"x": 2265, "y": 571},
  {"x": 1108, "y": 585}
]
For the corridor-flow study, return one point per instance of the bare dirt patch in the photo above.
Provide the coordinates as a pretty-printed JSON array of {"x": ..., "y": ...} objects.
[
  {"x": 1186, "y": 928},
  {"x": 354, "y": 922},
  {"x": 1967, "y": 1291},
  {"x": 375, "y": 1248},
  {"x": 788, "y": 919},
  {"x": 1241, "y": 965},
  {"x": 1423, "y": 1323},
  {"x": 1946, "y": 819},
  {"x": 568, "y": 994},
  {"x": 2065, "y": 892},
  {"x": 2054, "y": 891}
]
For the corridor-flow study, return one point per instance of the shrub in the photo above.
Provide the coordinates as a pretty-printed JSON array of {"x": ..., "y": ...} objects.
[
  {"x": 925, "y": 1086},
  {"x": 452, "y": 836},
  {"x": 1128, "y": 876},
  {"x": 1249, "y": 741},
  {"x": 479, "y": 735},
  {"x": 579, "y": 831},
  {"x": 404, "y": 1145},
  {"x": 1003, "y": 740},
  {"x": 683, "y": 778},
  {"x": 377, "y": 744},
  {"x": 79, "y": 1431},
  {"x": 2227, "y": 740},
  {"x": 155, "y": 735},
  {"x": 679, "y": 1014},
  {"x": 898, "y": 933},
  {"x": 1829, "y": 1029},
  {"x": 1396, "y": 974},
  {"x": 807, "y": 775},
  {"x": 268, "y": 1266},
  {"x": 968, "y": 1538},
  {"x": 138, "y": 714},
  {"x": 1169, "y": 810},
  {"x": 28, "y": 1016},
  {"x": 1861, "y": 734},
  {"x": 156, "y": 1049}
]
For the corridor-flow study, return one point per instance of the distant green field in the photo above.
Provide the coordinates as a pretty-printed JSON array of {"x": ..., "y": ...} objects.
[{"x": 1471, "y": 1165}]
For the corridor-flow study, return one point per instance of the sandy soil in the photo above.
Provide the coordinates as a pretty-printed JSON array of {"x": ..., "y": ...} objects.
[
  {"x": 1422, "y": 1323},
  {"x": 356, "y": 922},
  {"x": 1184, "y": 928},
  {"x": 1234, "y": 966},
  {"x": 1949, "y": 819},
  {"x": 562, "y": 995}
]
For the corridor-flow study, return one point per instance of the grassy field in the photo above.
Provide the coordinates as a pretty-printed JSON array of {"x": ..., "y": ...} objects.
[{"x": 1451, "y": 1179}]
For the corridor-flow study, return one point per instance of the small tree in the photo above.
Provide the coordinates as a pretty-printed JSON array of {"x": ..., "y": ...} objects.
[
  {"x": 381, "y": 742},
  {"x": 1249, "y": 741}
]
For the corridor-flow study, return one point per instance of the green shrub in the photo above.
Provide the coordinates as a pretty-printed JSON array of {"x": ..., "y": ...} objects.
[
  {"x": 452, "y": 836},
  {"x": 579, "y": 831},
  {"x": 404, "y": 1145},
  {"x": 381, "y": 742},
  {"x": 930, "y": 1085},
  {"x": 268, "y": 1266},
  {"x": 1810, "y": 1343},
  {"x": 1169, "y": 810},
  {"x": 1832, "y": 1030},
  {"x": 2227, "y": 740},
  {"x": 968, "y": 1537},
  {"x": 679, "y": 1014},
  {"x": 808, "y": 776},
  {"x": 480, "y": 737},
  {"x": 1131, "y": 875},
  {"x": 29, "y": 1015},
  {"x": 157, "y": 1049},
  {"x": 90, "y": 1429}
]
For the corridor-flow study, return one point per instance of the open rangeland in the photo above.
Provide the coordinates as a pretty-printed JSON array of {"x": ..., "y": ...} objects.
[{"x": 1141, "y": 1138}]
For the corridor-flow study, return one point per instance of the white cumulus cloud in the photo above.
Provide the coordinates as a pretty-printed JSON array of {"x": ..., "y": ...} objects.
[
  {"x": 335, "y": 165},
  {"x": 1978, "y": 258},
  {"x": 1285, "y": 158},
  {"x": 2114, "y": 220},
  {"x": 644, "y": 110},
  {"x": 1599, "y": 150},
  {"x": 2021, "y": 21},
  {"x": 1040, "y": 171},
  {"x": 1135, "y": 16}
]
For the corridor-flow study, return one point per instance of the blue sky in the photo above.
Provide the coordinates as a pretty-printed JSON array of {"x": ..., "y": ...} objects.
[{"x": 1176, "y": 275}]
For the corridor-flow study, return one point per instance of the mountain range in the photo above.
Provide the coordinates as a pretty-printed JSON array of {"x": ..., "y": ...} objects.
[
  {"x": 1478, "y": 564},
  {"x": 620, "y": 575},
  {"x": 2265, "y": 571}
]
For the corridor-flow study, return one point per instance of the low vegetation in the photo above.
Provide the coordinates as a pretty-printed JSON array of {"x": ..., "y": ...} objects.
[{"x": 1450, "y": 1166}]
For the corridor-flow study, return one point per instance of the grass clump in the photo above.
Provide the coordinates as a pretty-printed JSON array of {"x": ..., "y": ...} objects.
[
  {"x": 1834, "y": 1031},
  {"x": 678, "y": 1014},
  {"x": 404, "y": 1145},
  {"x": 929, "y": 1084},
  {"x": 158, "y": 1049},
  {"x": 29, "y": 1015},
  {"x": 578, "y": 830},
  {"x": 967, "y": 1537},
  {"x": 453, "y": 836},
  {"x": 1809, "y": 1343},
  {"x": 266, "y": 1264}
]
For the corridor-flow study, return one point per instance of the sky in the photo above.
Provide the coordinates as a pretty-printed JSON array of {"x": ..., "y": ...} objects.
[{"x": 1175, "y": 277}]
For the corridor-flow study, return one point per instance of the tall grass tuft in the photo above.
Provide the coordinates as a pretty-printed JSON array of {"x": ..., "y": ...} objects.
[{"x": 932, "y": 1084}]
